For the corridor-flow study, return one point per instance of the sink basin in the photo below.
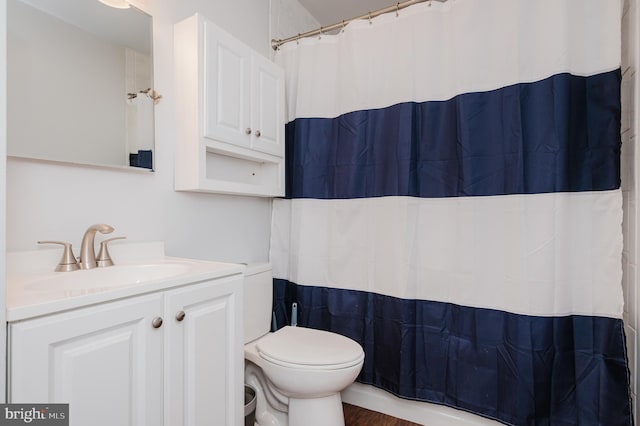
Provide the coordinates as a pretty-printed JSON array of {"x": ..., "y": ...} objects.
[{"x": 102, "y": 278}]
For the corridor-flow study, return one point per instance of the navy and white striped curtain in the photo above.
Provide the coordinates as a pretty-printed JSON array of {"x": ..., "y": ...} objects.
[{"x": 453, "y": 204}]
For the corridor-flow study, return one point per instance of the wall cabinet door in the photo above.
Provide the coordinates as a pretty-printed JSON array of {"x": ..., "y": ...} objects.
[
  {"x": 267, "y": 103},
  {"x": 205, "y": 372},
  {"x": 105, "y": 361},
  {"x": 243, "y": 94},
  {"x": 226, "y": 87}
]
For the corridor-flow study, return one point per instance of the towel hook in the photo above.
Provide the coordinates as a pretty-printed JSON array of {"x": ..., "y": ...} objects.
[{"x": 155, "y": 96}]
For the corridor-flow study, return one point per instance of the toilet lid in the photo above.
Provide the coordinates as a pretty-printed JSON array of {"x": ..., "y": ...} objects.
[{"x": 309, "y": 348}]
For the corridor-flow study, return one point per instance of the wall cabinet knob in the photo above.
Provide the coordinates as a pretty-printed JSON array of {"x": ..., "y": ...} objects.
[
  {"x": 156, "y": 322},
  {"x": 258, "y": 133},
  {"x": 180, "y": 315},
  {"x": 248, "y": 130}
]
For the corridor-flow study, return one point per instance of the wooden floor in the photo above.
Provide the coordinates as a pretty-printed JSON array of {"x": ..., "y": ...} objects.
[{"x": 358, "y": 416}]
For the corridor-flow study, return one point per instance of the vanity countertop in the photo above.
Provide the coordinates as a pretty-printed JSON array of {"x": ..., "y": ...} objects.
[{"x": 33, "y": 289}]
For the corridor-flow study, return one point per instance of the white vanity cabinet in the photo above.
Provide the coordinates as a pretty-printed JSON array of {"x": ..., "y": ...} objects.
[
  {"x": 105, "y": 361},
  {"x": 230, "y": 113},
  {"x": 172, "y": 357},
  {"x": 204, "y": 368}
]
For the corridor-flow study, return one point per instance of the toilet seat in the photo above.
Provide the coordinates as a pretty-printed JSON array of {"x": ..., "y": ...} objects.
[{"x": 307, "y": 348}]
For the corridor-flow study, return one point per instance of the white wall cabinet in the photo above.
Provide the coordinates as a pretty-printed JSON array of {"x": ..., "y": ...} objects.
[
  {"x": 116, "y": 365},
  {"x": 230, "y": 113}
]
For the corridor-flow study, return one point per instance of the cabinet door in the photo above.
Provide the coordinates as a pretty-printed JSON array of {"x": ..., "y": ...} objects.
[
  {"x": 105, "y": 361},
  {"x": 227, "y": 82},
  {"x": 205, "y": 356},
  {"x": 267, "y": 101}
]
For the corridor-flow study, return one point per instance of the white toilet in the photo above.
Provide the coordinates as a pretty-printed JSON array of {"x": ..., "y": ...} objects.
[{"x": 297, "y": 372}]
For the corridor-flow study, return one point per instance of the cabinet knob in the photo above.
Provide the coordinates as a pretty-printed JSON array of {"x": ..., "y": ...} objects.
[
  {"x": 258, "y": 133},
  {"x": 248, "y": 130},
  {"x": 156, "y": 322},
  {"x": 180, "y": 315}
]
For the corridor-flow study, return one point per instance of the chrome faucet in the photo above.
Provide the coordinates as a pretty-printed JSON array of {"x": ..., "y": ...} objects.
[{"x": 87, "y": 249}]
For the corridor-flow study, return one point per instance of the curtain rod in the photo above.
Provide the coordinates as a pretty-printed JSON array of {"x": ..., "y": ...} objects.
[{"x": 396, "y": 7}]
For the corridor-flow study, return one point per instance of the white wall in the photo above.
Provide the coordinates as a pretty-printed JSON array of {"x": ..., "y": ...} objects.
[
  {"x": 3, "y": 150},
  {"x": 288, "y": 18},
  {"x": 630, "y": 188},
  {"x": 52, "y": 201}
]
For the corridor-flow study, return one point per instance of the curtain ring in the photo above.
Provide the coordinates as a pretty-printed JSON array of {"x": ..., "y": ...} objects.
[
  {"x": 430, "y": 1},
  {"x": 320, "y": 36},
  {"x": 343, "y": 25},
  {"x": 397, "y": 9},
  {"x": 298, "y": 39},
  {"x": 370, "y": 19}
]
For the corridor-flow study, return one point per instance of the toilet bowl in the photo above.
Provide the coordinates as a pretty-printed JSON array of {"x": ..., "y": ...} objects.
[{"x": 298, "y": 372}]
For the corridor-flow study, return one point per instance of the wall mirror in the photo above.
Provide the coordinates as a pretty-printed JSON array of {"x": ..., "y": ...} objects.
[{"x": 79, "y": 83}]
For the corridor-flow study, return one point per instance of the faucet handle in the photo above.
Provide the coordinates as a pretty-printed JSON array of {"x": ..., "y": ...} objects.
[
  {"x": 104, "y": 258},
  {"x": 68, "y": 262}
]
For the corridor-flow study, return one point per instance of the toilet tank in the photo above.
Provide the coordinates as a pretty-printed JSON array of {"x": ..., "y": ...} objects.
[{"x": 258, "y": 300}]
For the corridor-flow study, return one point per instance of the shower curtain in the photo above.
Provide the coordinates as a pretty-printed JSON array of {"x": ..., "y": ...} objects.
[{"x": 453, "y": 204}]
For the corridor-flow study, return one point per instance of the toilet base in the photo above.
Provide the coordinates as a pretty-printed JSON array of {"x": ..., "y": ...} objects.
[
  {"x": 316, "y": 411},
  {"x": 275, "y": 409}
]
